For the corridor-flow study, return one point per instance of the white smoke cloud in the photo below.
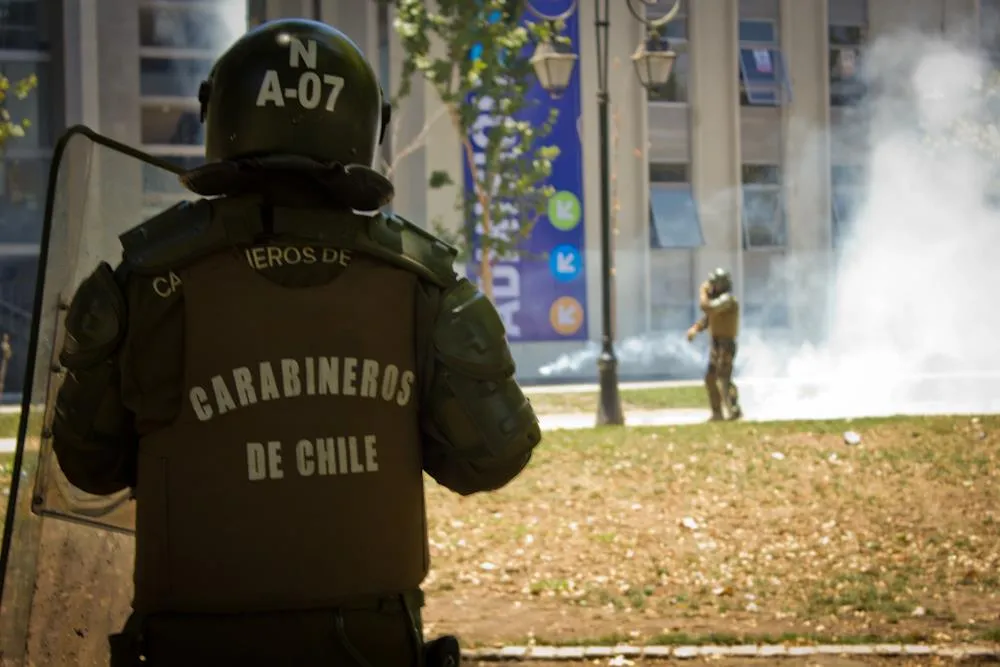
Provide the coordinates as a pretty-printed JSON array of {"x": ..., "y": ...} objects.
[
  {"x": 903, "y": 321},
  {"x": 234, "y": 14},
  {"x": 909, "y": 328}
]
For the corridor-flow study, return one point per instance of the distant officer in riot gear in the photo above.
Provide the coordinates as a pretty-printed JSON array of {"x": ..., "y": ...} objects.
[
  {"x": 271, "y": 372},
  {"x": 721, "y": 316}
]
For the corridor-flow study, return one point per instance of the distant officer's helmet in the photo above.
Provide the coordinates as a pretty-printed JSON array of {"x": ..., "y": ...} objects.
[
  {"x": 294, "y": 87},
  {"x": 721, "y": 280}
]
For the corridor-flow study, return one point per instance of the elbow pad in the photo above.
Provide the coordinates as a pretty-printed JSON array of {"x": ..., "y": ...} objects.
[
  {"x": 474, "y": 402},
  {"x": 95, "y": 321},
  {"x": 94, "y": 328}
]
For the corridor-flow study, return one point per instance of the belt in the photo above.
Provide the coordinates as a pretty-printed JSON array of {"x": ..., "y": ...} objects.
[{"x": 128, "y": 648}]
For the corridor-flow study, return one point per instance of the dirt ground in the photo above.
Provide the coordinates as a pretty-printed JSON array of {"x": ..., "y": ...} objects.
[
  {"x": 811, "y": 661},
  {"x": 772, "y": 531},
  {"x": 717, "y": 533}
]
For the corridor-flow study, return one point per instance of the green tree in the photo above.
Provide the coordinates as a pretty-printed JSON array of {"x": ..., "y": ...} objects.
[
  {"x": 485, "y": 95},
  {"x": 20, "y": 90}
]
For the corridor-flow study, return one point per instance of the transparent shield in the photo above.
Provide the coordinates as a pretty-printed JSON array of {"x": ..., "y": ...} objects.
[{"x": 97, "y": 190}]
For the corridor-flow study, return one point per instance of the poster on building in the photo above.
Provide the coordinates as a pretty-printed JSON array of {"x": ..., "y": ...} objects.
[{"x": 542, "y": 293}]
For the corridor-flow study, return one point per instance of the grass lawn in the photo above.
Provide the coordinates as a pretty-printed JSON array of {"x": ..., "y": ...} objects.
[
  {"x": 632, "y": 399},
  {"x": 791, "y": 661},
  {"x": 8, "y": 424},
  {"x": 728, "y": 533},
  {"x": 6, "y": 465},
  {"x": 810, "y": 661}
]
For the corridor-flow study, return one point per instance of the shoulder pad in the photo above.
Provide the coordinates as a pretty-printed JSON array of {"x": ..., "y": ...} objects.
[
  {"x": 723, "y": 303},
  {"x": 400, "y": 242},
  {"x": 167, "y": 238},
  {"x": 188, "y": 231},
  {"x": 474, "y": 399},
  {"x": 95, "y": 320}
]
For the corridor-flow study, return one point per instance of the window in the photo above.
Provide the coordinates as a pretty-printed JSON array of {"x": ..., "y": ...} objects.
[
  {"x": 24, "y": 25},
  {"x": 190, "y": 27},
  {"x": 37, "y": 107},
  {"x": 673, "y": 290},
  {"x": 179, "y": 42},
  {"x": 24, "y": 163},
  {"x": 384, "y": 31},
  {"x": 763, "y": 207},
  {"x": 675, "y": 231},
  {"x": 172, "y": 125},
  {"x": 162, "y": 189},
  {"x": 676, "y": 33},
  {"x": 763, "y": 77},
  {"x": 172, "y": 77},
  {"x": 256, "y": 13},
  {"x": 847, "y": 195},
  {"x": 23, "y": 183},
  {"x": 661, "y": 172},
  {"x": 846, "y": 85},
  {"x": 673, "y": 214},
  {"x": 989, "y": 29}
]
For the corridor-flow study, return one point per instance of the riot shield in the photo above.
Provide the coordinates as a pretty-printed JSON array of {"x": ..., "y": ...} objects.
[{"x": 98, "y": 188}]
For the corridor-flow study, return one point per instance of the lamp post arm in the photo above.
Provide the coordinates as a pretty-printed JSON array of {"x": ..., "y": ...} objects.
[
  {"x": 554, "y": 18},
  {"x": 653, "y": 24}
]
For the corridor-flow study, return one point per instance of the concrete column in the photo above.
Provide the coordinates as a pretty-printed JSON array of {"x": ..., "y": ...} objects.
[
  {"x": 115, "y": 179},
  {"x": 289, "y": 9},
  {"x": 442, "y": 150},
  {"x": 961, "y": 18},
  {"x": 358, "y": 20},
  {"x": 118, "y": 53},
  {"x": 715, "y": 133},
  {"x": 806, "y": 159},
  {"x": 886, "y": 16},
  {"x": 956, "y": 16},
  {"x": 409, "y": 162},
  {"x": 80, "y": 63},
  {"x": 629, "y": 173}
]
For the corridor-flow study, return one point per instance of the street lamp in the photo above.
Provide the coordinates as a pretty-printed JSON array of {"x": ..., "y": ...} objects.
[{"x": 654, "y": 62}]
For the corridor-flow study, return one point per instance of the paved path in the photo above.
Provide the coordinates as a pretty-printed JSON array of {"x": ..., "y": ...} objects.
[
  {"x": 561, "y": 653},
  {"x": 590, "y": 388},
  {"x": 580, "y": 420}
]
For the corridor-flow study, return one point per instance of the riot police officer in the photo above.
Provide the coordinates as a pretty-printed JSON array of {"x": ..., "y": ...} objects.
[
  {"x": 271, "y": 372},
  {"x": 721, "y": 316}
]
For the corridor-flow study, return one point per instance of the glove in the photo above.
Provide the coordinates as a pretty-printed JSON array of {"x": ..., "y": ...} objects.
[{"x": 692, "y": 332}]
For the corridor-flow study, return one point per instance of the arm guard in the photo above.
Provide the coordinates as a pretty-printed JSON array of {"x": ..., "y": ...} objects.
[
  {"x": 93, "y": 433},
  {"x": 704, "y": 295},
  {"x": 474, "y": 402}
]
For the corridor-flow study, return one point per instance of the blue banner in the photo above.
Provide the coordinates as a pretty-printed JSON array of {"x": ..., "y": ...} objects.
[{"x": 542, "y": 295}]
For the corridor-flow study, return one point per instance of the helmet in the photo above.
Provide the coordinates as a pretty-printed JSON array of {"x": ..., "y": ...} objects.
[
  {"x": 293, "y": 87},
  {"x": 720, "y": 280}
]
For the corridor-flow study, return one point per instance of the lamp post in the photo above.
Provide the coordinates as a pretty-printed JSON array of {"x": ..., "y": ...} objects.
[{"x": 654, "y": 63}]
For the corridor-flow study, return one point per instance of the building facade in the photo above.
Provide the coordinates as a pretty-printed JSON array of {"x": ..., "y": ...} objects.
[{"x": 730, "y": 164}]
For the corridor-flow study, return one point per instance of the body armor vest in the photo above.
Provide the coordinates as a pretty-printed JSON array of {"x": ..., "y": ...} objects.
[
  {"x": 291, "y": 478},
  {"x": 725, "y": 323}
]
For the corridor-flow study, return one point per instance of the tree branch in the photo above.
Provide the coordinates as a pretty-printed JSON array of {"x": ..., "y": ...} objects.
[{"x": 417, "y": 143}]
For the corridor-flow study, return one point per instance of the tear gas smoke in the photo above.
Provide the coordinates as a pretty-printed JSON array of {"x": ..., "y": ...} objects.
[
  {"x": 234, "y": 18},
  {"x": 212, "y": 29},
  {"x": 899, "y": 320}
]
